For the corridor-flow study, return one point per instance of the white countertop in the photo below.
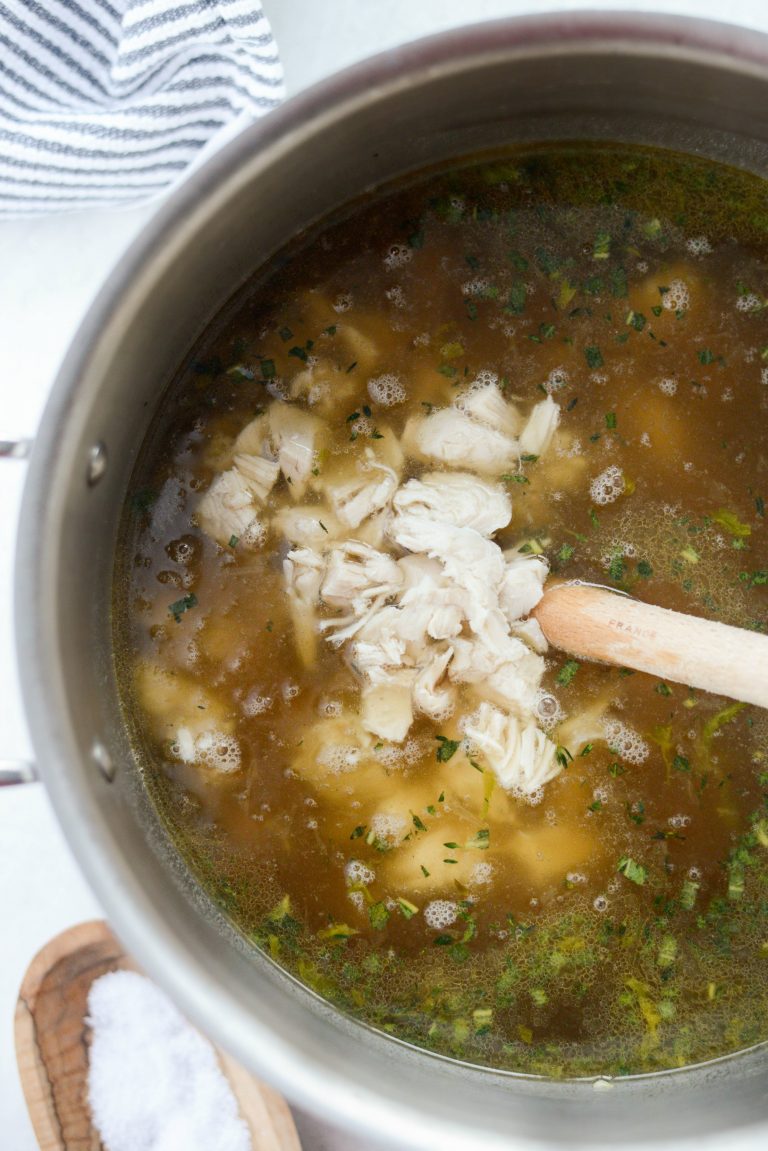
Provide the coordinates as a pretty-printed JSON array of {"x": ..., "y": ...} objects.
[{"x": 49, "y": 272}]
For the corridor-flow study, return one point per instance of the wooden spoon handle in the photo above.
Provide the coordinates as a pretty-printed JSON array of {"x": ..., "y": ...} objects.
[{"x": 608, "y": 627}]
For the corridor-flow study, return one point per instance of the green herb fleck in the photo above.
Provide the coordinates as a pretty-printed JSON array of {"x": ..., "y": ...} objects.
[
  {"x": 378, "y": 915},
  {"x": 446, "y": 749},
  {"x": 634, "y": 872},
  {"x": 593, "y": 356},
  {"x": 186, "y": 602},
  {"x": 567, "y": 672},
  {"x": 731, "y": 523},
  {"x": 602, "y": 248}
]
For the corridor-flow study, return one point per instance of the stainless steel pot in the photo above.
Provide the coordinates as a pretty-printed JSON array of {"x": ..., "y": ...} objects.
[{"x": 694, "y": 86}]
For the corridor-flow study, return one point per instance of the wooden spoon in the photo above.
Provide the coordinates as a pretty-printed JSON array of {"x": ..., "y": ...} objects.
[
  {"x": 606, "y": 626},
  {"x": 53, "y": 1037}
]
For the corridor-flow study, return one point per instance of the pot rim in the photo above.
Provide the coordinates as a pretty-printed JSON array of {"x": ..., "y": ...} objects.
[{"x": 162, "y": 954}]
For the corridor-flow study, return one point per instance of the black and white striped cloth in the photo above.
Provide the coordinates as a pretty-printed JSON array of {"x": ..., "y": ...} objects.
[{"x": 105, "y": 102}]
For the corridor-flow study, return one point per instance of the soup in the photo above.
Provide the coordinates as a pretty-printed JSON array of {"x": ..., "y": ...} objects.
[{"x": 551, "y": 363}]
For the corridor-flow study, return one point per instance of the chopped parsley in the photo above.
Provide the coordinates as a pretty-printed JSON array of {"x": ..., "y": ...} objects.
[
  {"x": 634, "y": 872},
  {"x": 602, "y": 248},
  {"x": 446, "y": 749},
  {"x": 186, "y": 602},
  {"x": 378, "y": 915},
  {"x": 593, "y": 356},
  {"x": 567, "y": 672}
]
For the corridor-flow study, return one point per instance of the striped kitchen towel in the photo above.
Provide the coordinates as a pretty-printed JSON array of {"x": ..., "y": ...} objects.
[{"x": 106, "y": 102}]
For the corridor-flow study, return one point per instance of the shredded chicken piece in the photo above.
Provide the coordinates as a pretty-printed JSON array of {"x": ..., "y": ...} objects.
[
  {"x": 522, "y": 585},
  {"x": 259, "y": 474},
  {"x": 485, "y": 403},
  {"x": 253, "y": 438},
  {"x": 227, "y": 509},
  {"x": 387, "y": 708},
  {"x": 356, "y": 573},
  {"x": 450, "y": 437},
  {"x": 540, "y": 428},
  {"x": 295, "y": 438},
  {"x": 431, "y": 699},
  {"x": 369, "y": 490},
  {"x": 307, "y": 525},
  {"x": 303, "y": 571},
  {"x": 521, "y": 756},
  {"x": 469, "y": 560},
  {"x": 456, "y": 498}
]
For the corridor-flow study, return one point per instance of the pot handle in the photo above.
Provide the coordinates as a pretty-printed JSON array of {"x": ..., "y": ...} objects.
[
  {"x": 14, "y": 771},
  {"x": 15, "y": 449},
  {"x": 17, "y": 771}
]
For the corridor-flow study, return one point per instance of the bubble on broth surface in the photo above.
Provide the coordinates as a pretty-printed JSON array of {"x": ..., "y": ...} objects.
[
  {"x": 357, "y": 872},
  {"x": 389, "y": 755},
  {"x": 481, "y": 873},
  {"x": 476, "y": 287},
  {"x": 386, "y": 390},
  {"x": 698, "y": 246},
  {"x": 217, "y": 751},
  {"x": 330, "y": 707},
  {"x": 608, "y": 486},
  {"x": 441, "y": 913},
  {"x": 256, "y": 704},
  {"x": 678, "y": 297},
  {"x": 668, "y": 386},
  {"x": 397, "y": 256},
  {"x": 396, "y": 295},
  {"x": 556, "y": 380},
  {"x": 626, "y": 742},
  {"x": 339, "y": 758},
  {"x": 388, "y": 828},
  {"x": 548, "y": 710},
  {"x": 749, "y": 302}
]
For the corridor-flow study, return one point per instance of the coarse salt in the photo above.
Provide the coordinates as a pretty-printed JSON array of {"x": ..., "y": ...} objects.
[{"x": 154, "y": 1083}]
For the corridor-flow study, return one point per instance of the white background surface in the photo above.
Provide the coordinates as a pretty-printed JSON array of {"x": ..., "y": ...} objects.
[{"x": 50, "y": 270}]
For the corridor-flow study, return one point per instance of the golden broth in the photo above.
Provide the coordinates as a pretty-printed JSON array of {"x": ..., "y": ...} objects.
[{"x": 617, "y": 925}]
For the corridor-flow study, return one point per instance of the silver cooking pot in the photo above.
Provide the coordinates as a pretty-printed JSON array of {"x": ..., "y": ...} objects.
[{"x": 690, "y": 85}]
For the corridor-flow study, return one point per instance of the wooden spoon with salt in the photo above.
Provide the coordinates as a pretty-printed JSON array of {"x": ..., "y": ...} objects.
[
  {"x": 606, "y": 626},
  {"x": 52, "y": 1040}
]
